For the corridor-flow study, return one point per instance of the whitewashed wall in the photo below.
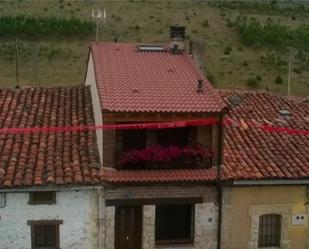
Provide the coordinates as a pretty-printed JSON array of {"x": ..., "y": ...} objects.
[
  {"x": 91, "y": 81},
  {"x": 78, "y": 210}
]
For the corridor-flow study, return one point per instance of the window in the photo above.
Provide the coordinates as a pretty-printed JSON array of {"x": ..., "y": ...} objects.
[
  {"x": 175, "y": 136},
  {"x": 42, "y": 197},
  {"x": 133, "y": 139},
  {"x": 45, "y": 234},
  {"x": 269, "y": 230},
  {"x": 174, "y": 224}
]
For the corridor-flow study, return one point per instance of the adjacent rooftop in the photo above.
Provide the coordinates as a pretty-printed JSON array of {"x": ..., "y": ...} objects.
[
  {"x": 251, "y": 153},
  {"x": 47, "y": 157}
]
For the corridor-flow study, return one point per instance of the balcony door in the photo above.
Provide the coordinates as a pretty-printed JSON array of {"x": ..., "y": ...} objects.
[{"x": 175, "y": 136}]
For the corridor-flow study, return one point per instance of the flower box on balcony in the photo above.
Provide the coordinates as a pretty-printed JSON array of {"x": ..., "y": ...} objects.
[{"x": 158, "y": 157}]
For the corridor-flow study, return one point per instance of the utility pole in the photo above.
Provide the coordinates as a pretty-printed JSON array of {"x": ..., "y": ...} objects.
[
  {"x": 289, "y": 77},
  {"x": 16, "y": 64}
]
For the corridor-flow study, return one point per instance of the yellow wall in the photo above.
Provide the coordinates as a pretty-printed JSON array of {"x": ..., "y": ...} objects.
[{"x": 244, "y": 197}]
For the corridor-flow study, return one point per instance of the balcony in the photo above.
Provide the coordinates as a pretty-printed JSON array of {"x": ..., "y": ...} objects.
[
  {"x": 167, "y": 157},
  {"x": 164, "y": 149}
]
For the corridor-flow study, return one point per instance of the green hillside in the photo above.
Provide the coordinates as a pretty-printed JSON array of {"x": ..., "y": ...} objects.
[{"x": 240, "y": 44}]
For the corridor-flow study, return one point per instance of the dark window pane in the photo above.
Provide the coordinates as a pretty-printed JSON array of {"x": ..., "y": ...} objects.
[
  {"x": 42, "y": 197},
  {"x": 174, "y": 222},
  {"x": 175, "y": 136},
  {"x": 133, "y": 139},
  {"x": 45, "y": 236},
  {"x": 269, "y": 230}
]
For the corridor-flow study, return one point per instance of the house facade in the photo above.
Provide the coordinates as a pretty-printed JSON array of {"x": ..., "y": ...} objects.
[
  {"x": 149, "y": 202},
  {"x": 69, "y": 222},
  {"x": 265, "y": 199},
  {"x": 49, "y": 180}
]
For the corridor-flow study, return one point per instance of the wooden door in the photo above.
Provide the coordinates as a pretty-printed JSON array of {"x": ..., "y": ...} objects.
[{"x": 128, "y": 227}]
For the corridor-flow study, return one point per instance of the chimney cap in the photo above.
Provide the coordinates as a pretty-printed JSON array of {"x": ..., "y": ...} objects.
[{"x": 177, "y": 32}]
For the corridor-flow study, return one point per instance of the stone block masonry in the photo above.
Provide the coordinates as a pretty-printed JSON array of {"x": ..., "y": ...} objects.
[{"x": 205, "y": 227}]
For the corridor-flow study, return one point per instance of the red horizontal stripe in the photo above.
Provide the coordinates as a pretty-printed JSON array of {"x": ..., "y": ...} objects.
[{"x": 153, "y": 125}]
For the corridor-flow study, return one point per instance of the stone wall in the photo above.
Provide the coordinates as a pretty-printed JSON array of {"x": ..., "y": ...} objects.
[
  {"x": 255, "y": 211},
  {"x": 161, "y": 191},
  {"x": 205, "y": 230},
  {"x": 109, "y": 228},
  {"x": 205, "y": 234},
  {"x": 77, "y": 210},
  {"x": 226, "y": 225}
]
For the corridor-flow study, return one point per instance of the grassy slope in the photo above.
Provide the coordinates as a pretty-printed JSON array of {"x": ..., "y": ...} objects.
[{"x": 146, "y": 21}]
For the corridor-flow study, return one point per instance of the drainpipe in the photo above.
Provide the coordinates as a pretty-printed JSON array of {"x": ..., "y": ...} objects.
[
  {"x": 100, "y": 216},
  {"x": 218, "y": 178}
]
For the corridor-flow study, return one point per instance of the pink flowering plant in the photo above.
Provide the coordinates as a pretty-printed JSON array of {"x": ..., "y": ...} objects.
[{"x": 167, "y": 156}]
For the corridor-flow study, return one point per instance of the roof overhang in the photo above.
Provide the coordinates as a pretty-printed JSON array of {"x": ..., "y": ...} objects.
[{"x": 271, "y": 182}]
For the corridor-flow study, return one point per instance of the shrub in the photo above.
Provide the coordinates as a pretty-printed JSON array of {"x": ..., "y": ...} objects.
[
  {"x": 245, "y": 64},
  {"x": 228, "y": 50},
  {"x": 297, "y": 70},
  {"x": 258, "y": 78},
  {"x": 273, "y": 59},
  {"x": 205, "y": 23},
  {"x": 43, "y": 26},
  {"x": 211, "y": 78},
  {"x": 254, "y": 33},
  {"x": 229, "y": 23},
  {"x": 279, "y": 80},
  {"x": 252, "y": 83}
]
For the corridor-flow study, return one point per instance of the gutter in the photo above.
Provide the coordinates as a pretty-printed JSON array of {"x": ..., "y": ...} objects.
[
  {"x": 270, "y": 182},
  {"x": 47, "y": 188}
]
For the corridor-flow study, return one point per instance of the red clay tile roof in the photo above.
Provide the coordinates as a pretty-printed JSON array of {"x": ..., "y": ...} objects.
[
  {"x": 129, "y": 80},
  {"x": 47, "y": 158},
  {"x": 250, "y": 153},
  {"x": 158, "y": 175}
]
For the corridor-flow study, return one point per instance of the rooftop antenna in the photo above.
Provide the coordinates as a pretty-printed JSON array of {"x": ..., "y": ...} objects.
[
  {"x": 16, "y": 64},
  {"x": 97, "y": 15}
]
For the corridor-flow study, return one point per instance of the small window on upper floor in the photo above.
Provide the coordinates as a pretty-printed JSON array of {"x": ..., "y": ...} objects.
[
  {"x": 269, "y": 230},
  {"x": 42, "y": 197}
]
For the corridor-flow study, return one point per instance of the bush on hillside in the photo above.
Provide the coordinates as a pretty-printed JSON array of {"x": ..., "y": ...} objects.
[
  {"x": 43, "y": 26},
  {"x": 252, "y": 83},
  {"x": 254, "y": 33},
  {"x": 279, "y": 80}
]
